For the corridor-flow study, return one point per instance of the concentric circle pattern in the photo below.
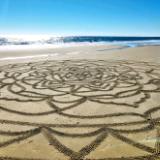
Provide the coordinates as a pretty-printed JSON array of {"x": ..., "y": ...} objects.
[{"x": 84, "y": 109}]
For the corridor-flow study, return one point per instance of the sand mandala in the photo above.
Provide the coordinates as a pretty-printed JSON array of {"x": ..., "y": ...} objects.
[{"x": 80, "y": 109}]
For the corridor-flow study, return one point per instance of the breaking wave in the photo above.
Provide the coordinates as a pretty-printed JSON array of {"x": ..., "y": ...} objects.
[{"x": 80, "y": 40}]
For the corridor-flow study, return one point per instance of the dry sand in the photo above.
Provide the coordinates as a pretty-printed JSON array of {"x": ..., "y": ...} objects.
[{"x": 90, "y": 102}]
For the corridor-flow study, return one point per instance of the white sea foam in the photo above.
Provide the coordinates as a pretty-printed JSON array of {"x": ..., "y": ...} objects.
[
  {"x": 138, "y": 43},
  {"x": 49, "y": 46}
]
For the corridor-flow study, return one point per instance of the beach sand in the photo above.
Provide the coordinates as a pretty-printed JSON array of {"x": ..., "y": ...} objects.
[{"x": 86, "y": 102}]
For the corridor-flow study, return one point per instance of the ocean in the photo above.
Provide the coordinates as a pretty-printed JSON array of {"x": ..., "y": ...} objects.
[{"x": 6, "y": 42}]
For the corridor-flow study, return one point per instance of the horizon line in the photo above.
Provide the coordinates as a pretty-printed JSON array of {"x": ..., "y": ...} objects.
[{"x": 73, "y": 35}]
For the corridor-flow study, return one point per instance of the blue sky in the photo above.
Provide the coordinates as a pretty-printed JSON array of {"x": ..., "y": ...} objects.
[{"x": 80, "y": 17}]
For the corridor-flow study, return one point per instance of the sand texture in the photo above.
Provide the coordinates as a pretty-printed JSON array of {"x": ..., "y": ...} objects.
[{"x": 97, "y": 104}]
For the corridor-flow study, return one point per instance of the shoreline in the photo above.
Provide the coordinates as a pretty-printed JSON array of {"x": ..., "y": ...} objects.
[{"x": 141, "y": 53}]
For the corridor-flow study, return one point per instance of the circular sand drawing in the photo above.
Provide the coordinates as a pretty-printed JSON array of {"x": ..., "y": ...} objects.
[{"x": 106, "y": 104}]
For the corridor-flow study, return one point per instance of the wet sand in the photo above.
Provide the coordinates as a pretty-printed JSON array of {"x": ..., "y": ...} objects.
[
  {"x": 146, "y": 53},
  {"x": 91, "y": 103}
]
